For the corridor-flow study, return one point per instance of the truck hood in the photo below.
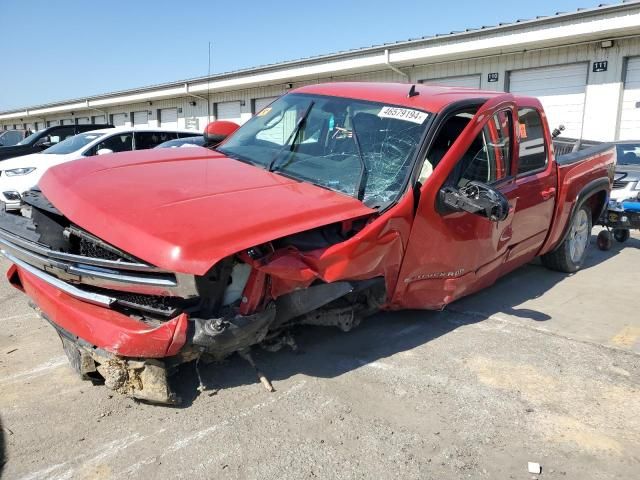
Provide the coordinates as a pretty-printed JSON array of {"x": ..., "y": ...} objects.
[
  {"x": 630, "y": 173},
  {"x": 184, "y": 211},
  {"x": 14, "y": 150}
]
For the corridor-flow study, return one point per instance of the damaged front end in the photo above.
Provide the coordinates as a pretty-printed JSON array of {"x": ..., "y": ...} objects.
[{"x": 129, "y": 324}]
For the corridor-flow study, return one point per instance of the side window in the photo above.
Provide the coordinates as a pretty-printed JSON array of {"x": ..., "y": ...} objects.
[
  {"x": 61, "y": 134},
  {"x": 146, "y": 140},
  {"x": 533, "y": 152},
  {"x": 488, "y": 159},
  {"x": 115, "y": 143}
]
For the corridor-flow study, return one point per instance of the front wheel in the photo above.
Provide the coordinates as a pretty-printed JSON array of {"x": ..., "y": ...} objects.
[{"x": 569, "y": 256}]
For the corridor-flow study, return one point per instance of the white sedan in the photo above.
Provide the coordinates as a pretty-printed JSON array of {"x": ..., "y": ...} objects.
[{"x": 17, "y": 175}]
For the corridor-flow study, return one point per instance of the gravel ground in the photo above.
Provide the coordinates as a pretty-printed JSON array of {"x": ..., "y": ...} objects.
[{"x": 541, "y": 368}]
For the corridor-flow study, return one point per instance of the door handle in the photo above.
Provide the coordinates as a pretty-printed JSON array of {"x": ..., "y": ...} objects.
[{"x": 549, "y": 193}]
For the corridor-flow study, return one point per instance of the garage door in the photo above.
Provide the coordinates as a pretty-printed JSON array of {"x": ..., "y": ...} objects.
[
  {"x": 99, "y": 119},
  {"x": 52, "y": 123},
  {"x": 470, "y": 81},
  {"x": 140, "y": 118},
  {"x": 67, "y": 121},
  {"x": 261, "y": 103},
  {"x": 560, "y": 88},
  {"x": 83, "y": 120},
  {"x": 39, "y": 126},
  {"x": 169, "y": 118},
  {"x": 228, "y": 111},
  {"x": 118, "y": 119},
  {"x": 630, "y": 116}
]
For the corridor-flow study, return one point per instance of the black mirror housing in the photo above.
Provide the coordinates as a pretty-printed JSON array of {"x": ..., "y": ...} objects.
[{"x": 476, "y": 198}]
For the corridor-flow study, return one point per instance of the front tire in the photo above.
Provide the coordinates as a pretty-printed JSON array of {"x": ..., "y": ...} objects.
[{"x": 569, "y": 256}]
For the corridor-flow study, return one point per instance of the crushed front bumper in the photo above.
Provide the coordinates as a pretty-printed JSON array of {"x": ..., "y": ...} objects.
[{"x": 108, "y": 329}]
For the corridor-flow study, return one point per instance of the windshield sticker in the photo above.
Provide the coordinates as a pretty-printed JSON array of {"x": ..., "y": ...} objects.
[
  {"x": 405, "y": 114},
  {"x": 264, "y": 111}
]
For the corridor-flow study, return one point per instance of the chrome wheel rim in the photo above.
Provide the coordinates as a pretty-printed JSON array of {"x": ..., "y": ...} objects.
[{"x": 579, "y": 236}]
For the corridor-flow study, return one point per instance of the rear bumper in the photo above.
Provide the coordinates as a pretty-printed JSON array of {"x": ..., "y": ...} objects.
[{"x": 99, "y": 326}]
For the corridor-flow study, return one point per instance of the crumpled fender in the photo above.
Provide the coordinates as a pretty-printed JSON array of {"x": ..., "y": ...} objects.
[{"x": 377, "y": 250}]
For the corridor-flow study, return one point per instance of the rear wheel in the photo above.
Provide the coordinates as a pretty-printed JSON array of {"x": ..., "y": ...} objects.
[
  {"x": 621, "y": 234},
  {"x": 569, "y": 256}
]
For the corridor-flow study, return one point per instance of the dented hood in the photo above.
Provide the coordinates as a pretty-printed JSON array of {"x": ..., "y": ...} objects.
[{"x": 183, "y": 210}]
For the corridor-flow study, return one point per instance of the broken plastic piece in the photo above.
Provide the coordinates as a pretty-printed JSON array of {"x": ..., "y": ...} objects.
[{"x": 534, "y": 467}]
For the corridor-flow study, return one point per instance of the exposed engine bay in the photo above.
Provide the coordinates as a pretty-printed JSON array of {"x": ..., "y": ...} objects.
[{"x": 245, "y": 300}]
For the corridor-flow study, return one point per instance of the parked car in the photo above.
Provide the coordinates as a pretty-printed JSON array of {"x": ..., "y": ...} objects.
[
  {"x": 335, "y": 202},
  {"x": 626, "y": 185},
  {"x": 9, "y": 138},
  {"x": 17, "y": 175},
  {"x": 197, "y": 141},
  {"x": 43, "y": 139}
]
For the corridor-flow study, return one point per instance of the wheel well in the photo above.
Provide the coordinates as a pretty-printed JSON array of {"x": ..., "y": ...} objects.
[{"x": 597, "y": 203}]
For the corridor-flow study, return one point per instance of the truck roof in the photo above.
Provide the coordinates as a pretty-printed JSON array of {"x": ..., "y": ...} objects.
[{"x": 431, "y": 98}]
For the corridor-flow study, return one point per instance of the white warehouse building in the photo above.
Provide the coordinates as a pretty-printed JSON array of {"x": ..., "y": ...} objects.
[{"x": 583, "y": 65}]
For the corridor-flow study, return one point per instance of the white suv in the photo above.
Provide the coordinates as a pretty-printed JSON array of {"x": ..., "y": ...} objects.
[{"x": 17, "y": 175}]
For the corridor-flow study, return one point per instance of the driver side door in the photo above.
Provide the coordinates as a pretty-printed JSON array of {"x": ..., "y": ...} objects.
[{"x": 452, "y": 252}]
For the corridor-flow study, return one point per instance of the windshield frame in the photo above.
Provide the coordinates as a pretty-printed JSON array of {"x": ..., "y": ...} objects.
[
  {"x": 412, "y": 159},
  {"x": 31, "y": 139}
]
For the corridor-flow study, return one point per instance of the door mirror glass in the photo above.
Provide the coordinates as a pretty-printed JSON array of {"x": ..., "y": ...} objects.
[
  {"x": 104, "y": 151},
  {"x": 476, "y": 198}
]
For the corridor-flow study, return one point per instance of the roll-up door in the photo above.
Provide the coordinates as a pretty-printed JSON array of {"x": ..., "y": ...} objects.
[
  {"x": 52, "y": 123},
  {"x": 169, "y": 117},
  {"x": 560, "y": 88},
  {"x": 469, "y": 81},
  {"x": 67, "y": 121},
  {"x": 83, "y": 120},
  {"x": 630, "y": 114},
  {"x": 118, "y": 119},
  {"x": 39, "y": 126},
  {"x": 228, "y": 111},
  {"x": 99, "y": 119},
  {"x": 140, "y": 118},
  {"x": 261, "y": 103}
]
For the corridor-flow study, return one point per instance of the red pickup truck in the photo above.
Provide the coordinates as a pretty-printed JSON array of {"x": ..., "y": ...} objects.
[{"x": 334, "y": 202}]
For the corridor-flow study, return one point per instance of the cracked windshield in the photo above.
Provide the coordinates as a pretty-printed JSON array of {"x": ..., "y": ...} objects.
[{"x": 362, "y": 149}]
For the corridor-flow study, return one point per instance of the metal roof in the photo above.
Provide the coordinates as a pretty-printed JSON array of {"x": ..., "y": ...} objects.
[{"x": 344, "y": 53}]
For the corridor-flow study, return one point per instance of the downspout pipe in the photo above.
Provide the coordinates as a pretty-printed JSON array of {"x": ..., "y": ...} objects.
[
  {"x": 186, "y": 90},
  {"x": 96, "y": 109},
  {"x": 393, "y": 67}
]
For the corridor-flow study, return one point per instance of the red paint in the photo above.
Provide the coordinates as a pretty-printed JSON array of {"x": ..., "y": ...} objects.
[
  {"x": 110, "y": 330},
  {"x": 216, "y": 132},
  {"x": 184, "y": 211}
]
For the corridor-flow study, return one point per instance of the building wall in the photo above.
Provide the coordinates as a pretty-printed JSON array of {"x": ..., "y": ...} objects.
[{"x": 602, "y": 104}]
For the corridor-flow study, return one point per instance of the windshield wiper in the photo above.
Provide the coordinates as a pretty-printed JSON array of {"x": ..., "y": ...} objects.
[
  {"x": 364, "y": 173},
  {"x": 291, "y": 137}
]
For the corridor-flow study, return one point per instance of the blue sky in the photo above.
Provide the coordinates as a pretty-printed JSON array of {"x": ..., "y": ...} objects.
[{"x": 56, "y": 50}]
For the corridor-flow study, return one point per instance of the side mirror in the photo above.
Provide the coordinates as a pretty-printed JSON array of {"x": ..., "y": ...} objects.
[
  {"x": 476, "y": 198},
  {"x": 104, "y": 151},
  {"x": 216, "y": 132}
]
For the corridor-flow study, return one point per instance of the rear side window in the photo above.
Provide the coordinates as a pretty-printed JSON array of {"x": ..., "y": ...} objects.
[
  {"x": 533, "y": 151},
  {"x": 146, "y": 140}
]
